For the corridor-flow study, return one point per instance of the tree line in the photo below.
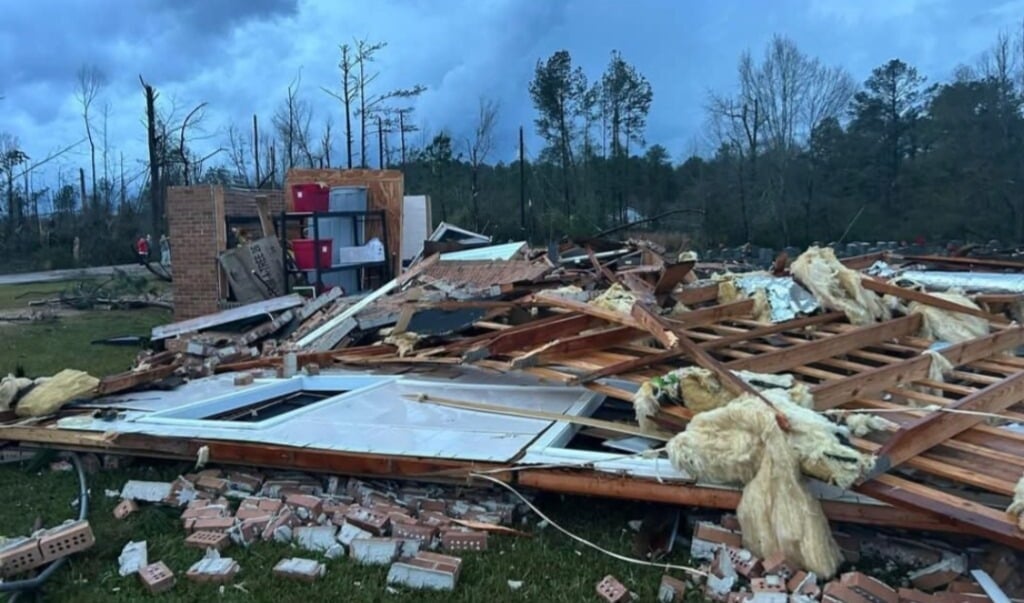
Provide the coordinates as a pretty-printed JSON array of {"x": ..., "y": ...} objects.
[{"x": 797, "y": 152}]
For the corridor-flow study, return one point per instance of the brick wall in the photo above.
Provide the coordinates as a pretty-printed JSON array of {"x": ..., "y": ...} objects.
[{"x": 196, "y": 225}]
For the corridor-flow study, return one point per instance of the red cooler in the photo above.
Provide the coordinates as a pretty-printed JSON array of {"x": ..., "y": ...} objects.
[
  {"x": 311, "y": 197},
  {"x": 305, "y": 248}
]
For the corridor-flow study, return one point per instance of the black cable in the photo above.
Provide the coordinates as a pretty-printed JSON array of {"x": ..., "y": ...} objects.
[{"x": 83, "y": 510}]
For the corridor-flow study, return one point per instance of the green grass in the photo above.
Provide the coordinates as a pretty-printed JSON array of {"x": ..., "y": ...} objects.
[
  {"x": 16, "y": 297},
  {"x": 552, "y": 567},
  {"x": 46, "y": 347}
]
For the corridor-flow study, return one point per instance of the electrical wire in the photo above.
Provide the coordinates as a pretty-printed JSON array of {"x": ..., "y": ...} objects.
[
  {"x": 584, "y": 541},
  {"x": 19, "y": 586}
]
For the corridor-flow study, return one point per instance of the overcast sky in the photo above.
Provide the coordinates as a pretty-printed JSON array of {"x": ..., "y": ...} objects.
[{"x": 240, "y": 55}]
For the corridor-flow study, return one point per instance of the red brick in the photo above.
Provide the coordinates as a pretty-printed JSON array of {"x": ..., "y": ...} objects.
[
  {"x": 434, "y": 518},
  {"x": 66, "y": 540},
  {"x": 868, "y": 587},
  {"x": 213, "y": 524},
  {"x": 612, "y": 590},
  {"x": 367, "y": 519},
  {"x": 208, "y": 540},
  {"x": 837, "y": 593},
  {"x": 433, "y": 504},
  {"x": 157, "y": 578},
  {"x": 730, "y": 522},
  {"x": 458, "y": 540},
  {"x": 777, "y": 564},
  {"x": 671, "y": 590},
  {"x": 746, "y": 564},
  {"x": 770, "y": 583},
  {"x": 21, "y": 557},
  {"x": 413, "y": 532},
  {"x": 313, "y": 505},
  {"x": 306, "y": 570},
  {"x": 910, "y": 595},
  {"x": 250, "y": 513}
]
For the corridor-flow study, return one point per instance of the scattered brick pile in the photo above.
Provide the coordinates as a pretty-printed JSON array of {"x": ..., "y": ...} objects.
[
  {"x": 19, "y": 555},
  {"x": 373, "y": 525},
  {"x": 938, "y": 574}
]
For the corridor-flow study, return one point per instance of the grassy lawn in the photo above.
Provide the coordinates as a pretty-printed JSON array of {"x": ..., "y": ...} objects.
[
  {"x": 46, "y": 347},
  {"x": 551, "y": 566}
]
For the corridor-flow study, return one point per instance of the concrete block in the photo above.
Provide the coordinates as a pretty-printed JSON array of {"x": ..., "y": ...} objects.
[
  {"x": 306, "y": 570},
  {"x": 426, "y": 571},
  {"x": 374, "y": 551},
  {"x": 213, "y": 568},
  {"x": 350, "y": 532}
]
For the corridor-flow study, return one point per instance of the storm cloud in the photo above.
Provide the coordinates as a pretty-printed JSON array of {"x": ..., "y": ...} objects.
[{"x": 239, "y": 56}]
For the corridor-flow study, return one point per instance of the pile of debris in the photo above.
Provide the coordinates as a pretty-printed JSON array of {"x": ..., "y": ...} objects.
[
  {"x": 821, "y": 390},
  {"x": 401, "y": 527}
]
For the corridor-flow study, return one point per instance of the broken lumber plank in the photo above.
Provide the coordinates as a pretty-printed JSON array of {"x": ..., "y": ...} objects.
[
  {"x": 547, "y": 299},
  {"x": 316, "y": 304},
  {"x": 706, "y": 316},
  {"x": 672, "y": 275},
  {"x": 965, "y": 261},
  {"x": 697, "y": 295},
  {"x": 209, "y": 321},
  {"x": 860, "y": 262},
  {"x": 829, "y": 347},
  {"x": 834, "y": 393},
  {"x": 580, "y": 343},
  {"x": 121, "y": 382},
  {"x": 656, "y": 326},
  {"x": 595, "y": 483},
  {"x": 937, "y": 427},
  {"x": 884, "y": 288},
  {"x": 342, "y": 321},
  {"x": 528, "y": 335},
  {"x": 972, "y": 517}
]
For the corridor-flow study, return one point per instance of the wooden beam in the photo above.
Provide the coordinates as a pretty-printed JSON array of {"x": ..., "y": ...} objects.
[
  {"x": 121, "y": 382},
  {"x": 697, "y": 295},
  {"x": 829, "y": 347},
  {"x": 860, "y": 262},
  {"x": 672, "y": 275},
  {"x": 529, "y": 335},
  {"x": 596, "y": 483},
  {"x": 834, "y": 393},
  {"x": 657, "y": 327},
  {"x": 554, "y": 301},
  {"x": 884, "y": 288},
  {"x": 764, "y": 331},
  {"x": 549, "y": 352},
  {"x": 706, "y": 316},
  {"x": 939, "y": 426},
  {"x": 965, "y": 261},
  {"x": 971, "y": 517}
]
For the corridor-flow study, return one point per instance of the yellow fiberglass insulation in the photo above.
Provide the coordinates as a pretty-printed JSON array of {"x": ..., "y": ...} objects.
[
  {"x": 728, "y": 292},
  {"x": 837, "y": 287},
  {"x": 742, "y": 443},
  {"x": 951, "y": 327},
  {"x": 1016, "y": 508},
  {"x": 406, "y": 342},
  {"x": 699, "y": 389},
  {"x": 616, "y": 298},
  {"x": 861, "y": 424}
]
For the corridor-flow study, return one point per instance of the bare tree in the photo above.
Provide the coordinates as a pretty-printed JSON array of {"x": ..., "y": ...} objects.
[
  {"x": 90, "y": 81},
  {"x": 405, "y": 126},
  {"x": 371, "y": 105},
  {"x": 292, "y": 120},
  {"x": 347, "y": 96},
  {"x": 195, "y": 116},
  {"x": 478, "y": 148},
  {"x": 11, "y": 156},
  {"x": 155, "y": 153},
  {"x": 326, "y": 143},
  {"x": 238, "y": 152}
]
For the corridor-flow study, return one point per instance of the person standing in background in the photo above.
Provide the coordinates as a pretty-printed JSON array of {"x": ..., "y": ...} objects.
[
  {"x": 142, "y": 249},
  {"x": 165, "y": 250}
]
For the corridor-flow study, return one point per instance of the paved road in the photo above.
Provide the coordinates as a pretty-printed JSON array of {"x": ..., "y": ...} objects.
[{"x": 66, "y": 275}]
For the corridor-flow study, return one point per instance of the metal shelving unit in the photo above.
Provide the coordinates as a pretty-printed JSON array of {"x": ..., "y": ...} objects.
[{"x": 360, "y": 218}]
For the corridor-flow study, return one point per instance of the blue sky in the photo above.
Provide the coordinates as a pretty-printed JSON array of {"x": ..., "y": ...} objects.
[{"x": 240, "y": 55}]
